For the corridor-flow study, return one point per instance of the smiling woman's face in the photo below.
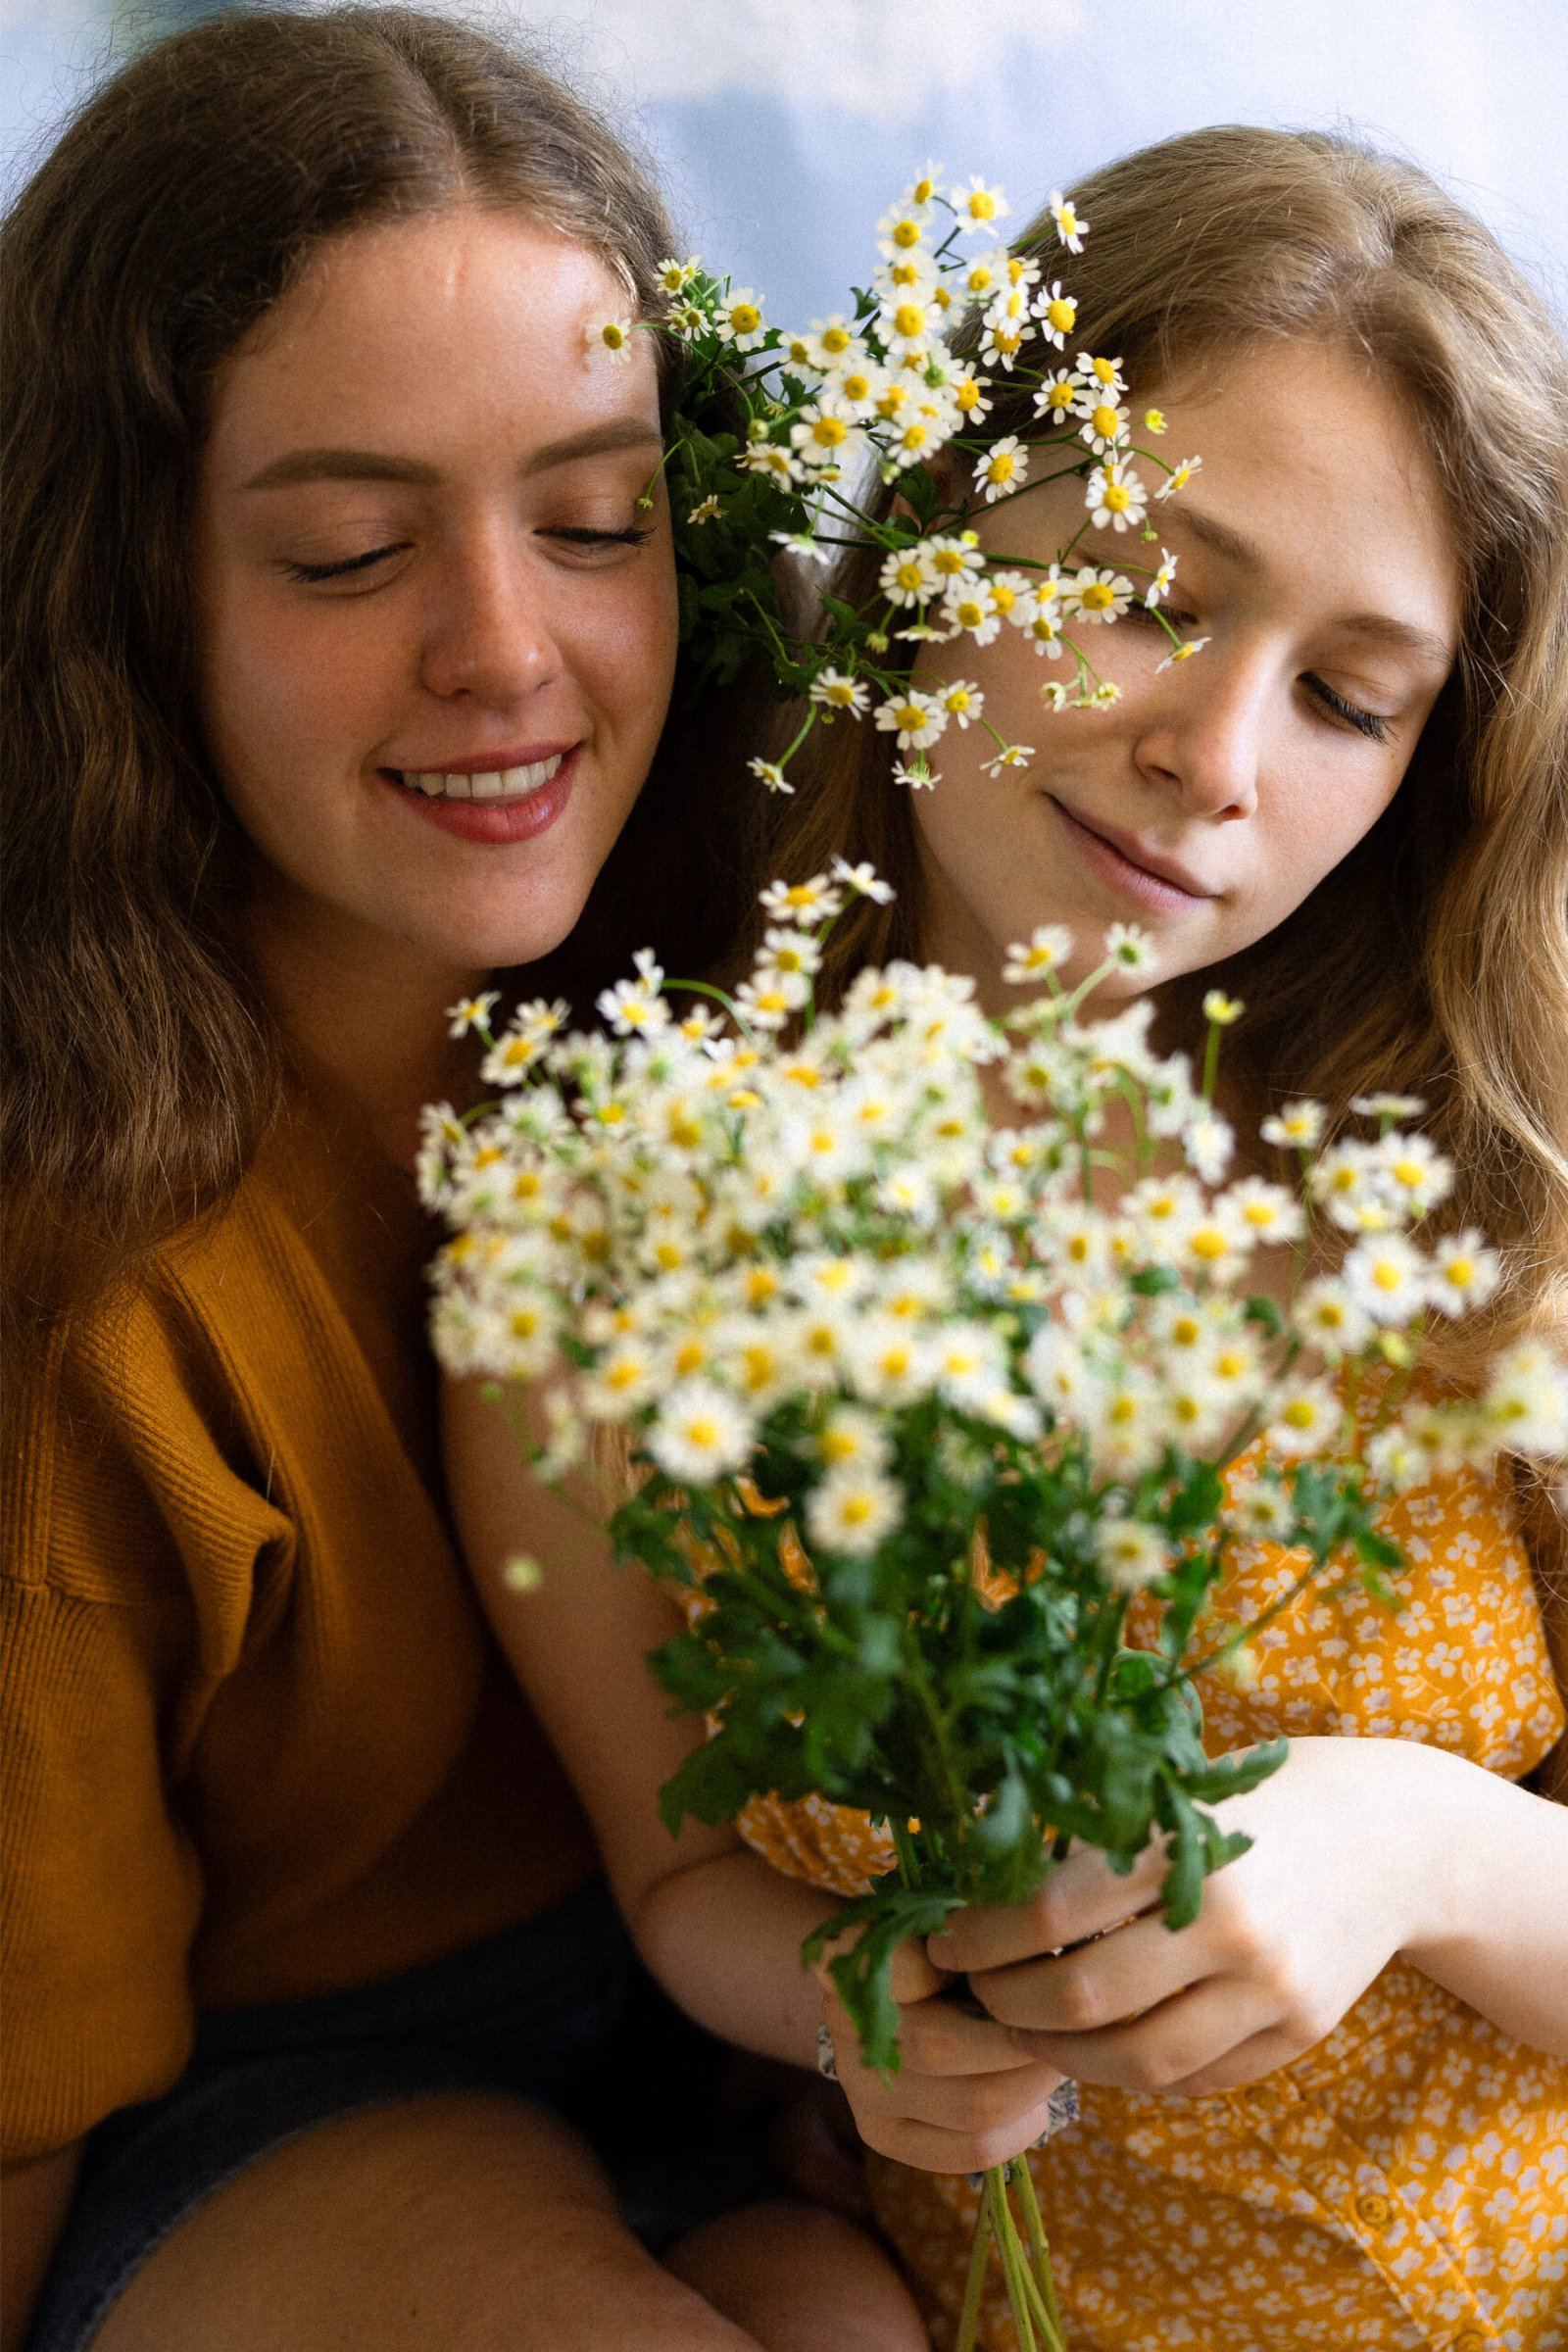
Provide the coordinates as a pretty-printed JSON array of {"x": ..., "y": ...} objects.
[
  {"x": 1213, "y": 797},
  {"x": 436, "y": 629}
]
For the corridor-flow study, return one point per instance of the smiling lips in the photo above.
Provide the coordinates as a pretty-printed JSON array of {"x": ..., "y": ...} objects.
[
  {"x": 496, "y": 779},
  {"x": 1156, "y": 882}
]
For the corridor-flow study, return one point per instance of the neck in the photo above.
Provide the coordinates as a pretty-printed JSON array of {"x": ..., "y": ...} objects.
[{"x": 366, "y": 1007}]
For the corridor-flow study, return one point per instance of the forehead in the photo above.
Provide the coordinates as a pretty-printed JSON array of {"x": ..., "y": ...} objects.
[
  {"x": 1320, "y": 462},
  {"x": 429, "y": 331}
]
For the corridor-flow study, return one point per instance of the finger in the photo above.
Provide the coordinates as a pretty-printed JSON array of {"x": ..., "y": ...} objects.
[
  {"x": 1162, "y": 2049},
  {"x": 1106, "y": 1982},
  {"x": 937, "y": 2038},
  {"x": 1083, "y": 1896},
  {"x": 1250, "y": 2061},
  {"x": 912, "y": 1975}
]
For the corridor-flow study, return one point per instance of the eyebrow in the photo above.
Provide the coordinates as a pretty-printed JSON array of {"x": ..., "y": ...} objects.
[
  {"x": 379, "y": 465},
  {"x": 1402, "y": 636}
]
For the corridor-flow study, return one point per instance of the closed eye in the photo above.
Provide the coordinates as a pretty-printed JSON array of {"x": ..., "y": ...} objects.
[
  {"x": 1370, "y": 723},
  {"x": 349, "y": 564},
  {"x": 633, "y": 536}
]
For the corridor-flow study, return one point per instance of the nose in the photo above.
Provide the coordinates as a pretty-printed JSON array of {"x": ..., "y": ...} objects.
[
  {"x": 1203, "y": 735},
  {"x": 487, "y": 631}
]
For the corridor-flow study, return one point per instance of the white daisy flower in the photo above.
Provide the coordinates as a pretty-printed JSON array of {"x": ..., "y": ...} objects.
[
  {"x": 1464, "y": 1273},
  {"x": 1306, "y": 1418},
  {"x": 472, "y": 1013},
  {"x": 1098, "y": 595},
  {"x": 768, "y": 773},
  {"x": 610, "y": 339},
  {"x": 853, "y": 1439},
  {"x": 1131, "y": 1554},
  {"x": 699, "y": 1434},
  {"x": 1526, "y": 1400},
  {"x": 968, "y": 394},
  {"x": 739, "y": 319},
  {"x": 863, "y": 880},
  {"x": 908, "y": 575},
  {"x": 1161, "y": 585},
  {"x": 1183, "y": 651},
  {"x": 1057, "y": 313},
  {"x": 1056, "y": 399},
  {"x": 1071, "y": 227},
  {"x": 978, "y": 204},
  {"x": 816, "y": 900},
  {"x": 1178, "y": 477},
  {"x": 851, "y": 1512},
  {"x": 962, "y": 701},
  {"x": 835, "y": 690},
  {"x": 917, "y": 718},
  {"x": 969, "y": 606},
  {"x": 1011, "y": 754},
  {"x": 1326, "y": 1314},
  {"x": 1388, "y": 1276},
  {"x": 1130, "y": 948},
  {"x": 1296, "y": 1126},
  {"x": 1047, "y": 950},
  {"x": 1116, "y": 496},
  {"x": 1003, "y": 468},
  {"x": 1106, "y": 424}
]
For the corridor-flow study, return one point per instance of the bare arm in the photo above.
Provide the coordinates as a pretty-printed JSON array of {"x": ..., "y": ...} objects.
[
  {"x": 34, "y": 2199},
  {"x": 720, "y": 1930},
  {"x": 578, "y": 1644}
]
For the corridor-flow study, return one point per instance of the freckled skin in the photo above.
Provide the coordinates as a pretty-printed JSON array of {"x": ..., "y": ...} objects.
[
  {"x": 1229, "y": 763},
  {"x": 457, "y": 340}
]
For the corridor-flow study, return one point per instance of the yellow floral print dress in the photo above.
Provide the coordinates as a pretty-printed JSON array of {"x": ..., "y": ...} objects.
[{"x": 1403, "y": 2187}]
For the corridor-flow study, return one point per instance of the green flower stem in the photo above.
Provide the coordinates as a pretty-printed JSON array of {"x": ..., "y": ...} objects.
[
  {"x": 974, "y": 2286},
  {"x": 1039, "y": 2251}
]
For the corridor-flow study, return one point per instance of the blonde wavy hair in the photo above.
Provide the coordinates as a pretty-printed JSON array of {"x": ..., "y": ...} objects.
[{"x": 1435, "y": 958}]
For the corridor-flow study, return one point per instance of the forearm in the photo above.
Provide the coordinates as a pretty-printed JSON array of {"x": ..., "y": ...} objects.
[
  {"x": 723, "y": 1937},
  {"x": 1497, "y": 1927}
]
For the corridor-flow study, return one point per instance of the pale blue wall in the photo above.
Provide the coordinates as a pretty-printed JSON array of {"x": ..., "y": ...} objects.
[{"x": 784, "y": 125}]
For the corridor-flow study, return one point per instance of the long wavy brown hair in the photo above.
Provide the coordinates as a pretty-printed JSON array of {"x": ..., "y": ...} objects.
[
  {"x": 142, "y": 1068},
  {"x": 1435, "y": 958}
]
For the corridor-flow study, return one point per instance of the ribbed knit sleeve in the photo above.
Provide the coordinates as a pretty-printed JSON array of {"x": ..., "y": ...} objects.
[{"x": 113, "y": 1481}]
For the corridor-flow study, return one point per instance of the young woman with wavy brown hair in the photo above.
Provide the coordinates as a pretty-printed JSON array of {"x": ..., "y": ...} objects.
[
  {"x": 342, "y": 630},
  {"x": 1330, "y": 2110}
]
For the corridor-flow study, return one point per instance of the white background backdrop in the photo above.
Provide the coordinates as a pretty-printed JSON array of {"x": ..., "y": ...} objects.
[{"x": 784, "y": 126}]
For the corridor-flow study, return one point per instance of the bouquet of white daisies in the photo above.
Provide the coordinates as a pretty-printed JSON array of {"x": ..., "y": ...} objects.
[{"x": 930, "y": 1339}]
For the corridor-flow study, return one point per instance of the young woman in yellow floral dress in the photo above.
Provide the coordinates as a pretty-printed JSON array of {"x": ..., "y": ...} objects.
[{"x": 1334, "y": 2111}]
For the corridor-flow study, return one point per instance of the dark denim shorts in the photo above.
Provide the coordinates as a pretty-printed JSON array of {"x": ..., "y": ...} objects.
[{"x": 558, "y": 2011}]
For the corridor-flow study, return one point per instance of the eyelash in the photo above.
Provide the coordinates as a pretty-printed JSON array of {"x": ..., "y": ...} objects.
[
  {"x": 1369, "y": 723},
  {"x": 310, "y": 573}
]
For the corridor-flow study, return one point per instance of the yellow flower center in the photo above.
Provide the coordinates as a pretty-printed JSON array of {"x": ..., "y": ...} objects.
[
  {"x": 1460, "y": 1271},
  {"x": 1209, "y": 1242},
  {"x": 1061, "y": 313},
  {"x": 907, "y": 233},
  {"x": 1117, "y": 497},
  {"x": 909, "y": 576},
  {"x": 959, "y": 700},
  {"x": 909, "y": 318},
  {"x": 854, "y": 385},
  {"x": 1107, "y": 421},
  {"x": 828, "y": 431},
  {"x": 1003, "y": 597},
  {"x": 745, "y": 317},
  {"x": 1097, "y": 596},
  {"x": 982, "y": 207},
  {"x": 966, "y": 392},
  {"x": 1298, "y": 1414},
  {"x": 690, "y": 1355},
  {"x": 835, "y": 338},
  {"x": 701, "y": 1432},
  {"x": 1001, "y": 467},
  {"x": 856, "y": 1509},
  {"x": 1060, "y": 396}
]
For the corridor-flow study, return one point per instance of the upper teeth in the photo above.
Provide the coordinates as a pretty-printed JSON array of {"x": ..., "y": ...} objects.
[{"x": 496, "y": 784}]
